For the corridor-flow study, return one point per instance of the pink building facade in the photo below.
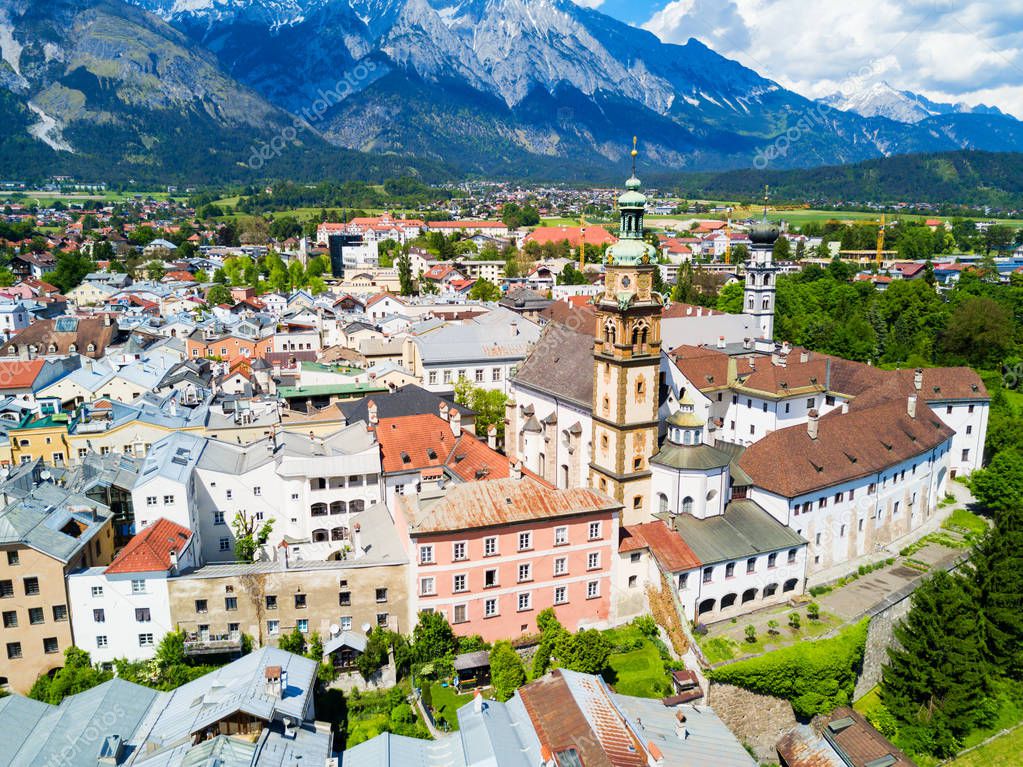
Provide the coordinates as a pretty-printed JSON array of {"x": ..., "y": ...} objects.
[{"x": 525, "y": 555}]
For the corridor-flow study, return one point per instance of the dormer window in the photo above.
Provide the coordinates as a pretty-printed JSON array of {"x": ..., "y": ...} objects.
[
  {"x": 72, "y": 348},
  {"x": 91, "y": 348}
]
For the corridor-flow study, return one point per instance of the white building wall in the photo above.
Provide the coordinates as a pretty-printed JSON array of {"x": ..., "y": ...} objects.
[
  {"x": 118, "y": 634},
  {"x": 865, "y": 515},
  {"x": 969, "y": 420},
  {"x": 707, "y": 489}
]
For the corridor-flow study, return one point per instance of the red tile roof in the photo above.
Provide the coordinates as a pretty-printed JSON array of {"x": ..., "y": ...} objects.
[
  {"x": 149, "y": 551},
  {"x": 19, "y": 374},
  {"x": 472, "y": 505},
  {"x": 848, "y": 446},
  {"x": 595, "y": 235},
  {"x": 664, "y": 543},
  {"x": 426, "y": 440}
]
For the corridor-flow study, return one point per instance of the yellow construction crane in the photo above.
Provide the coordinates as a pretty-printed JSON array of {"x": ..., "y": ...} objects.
[
  {"x": 582, "y": 243},
  {"x": 880, "y": 241},
  {"x": 728, "y": 237}
]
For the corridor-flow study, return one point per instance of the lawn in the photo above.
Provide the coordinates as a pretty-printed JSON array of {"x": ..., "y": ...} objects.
[
  {"x": 638, "y": 665},
  {"x": 1004, "y": 750},
  {"x": 639, "y": 673},
  {"x": 966, "y": 523},
  {"x": 370, "y": 713},
  {"x": 727, "y": 640},
  {"x": 446, "y": 702}
]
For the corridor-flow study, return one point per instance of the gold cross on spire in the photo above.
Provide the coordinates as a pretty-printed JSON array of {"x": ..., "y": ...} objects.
[{"x": 634, "y": 153}]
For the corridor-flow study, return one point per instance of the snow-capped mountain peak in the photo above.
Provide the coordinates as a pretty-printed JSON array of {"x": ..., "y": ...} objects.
[{"x": 881, "y": 99}]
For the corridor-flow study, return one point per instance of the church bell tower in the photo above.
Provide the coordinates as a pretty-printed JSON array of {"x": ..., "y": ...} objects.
[{"x": 627, "y": 359}]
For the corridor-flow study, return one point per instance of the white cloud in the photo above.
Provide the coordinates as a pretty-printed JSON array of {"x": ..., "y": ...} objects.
[
  {"x": 968, "y": 50},
  {"x": 589, "y": 3}
]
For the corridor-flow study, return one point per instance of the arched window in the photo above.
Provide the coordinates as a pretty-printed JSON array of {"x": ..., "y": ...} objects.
[
  {"x": 609, "y": 332},
  {"x": 337, "y": 507},
  {"x": 90, "y": 348},
  {"x": 339, "y": 534},
  {"x": 564, "y": 476},
  {"x": 751, "y": 302},
  {"x": 770, "y": 590},
  {"x": 728, "y": 600},
  {"x": 790, "y": 585},
  {"x": 749, "y": 595},
  {"x": 12, "y": 349},
  {"x": 687, "y": 505},
  {"x": 767, "y": 303},
  {"x": 319, "y": 535},
  {"x": 662, "y": 503},
  {"x": 706, "y": 606},
  {"x": 319, "y": 509},
  {"x": 52, "y": 349}
]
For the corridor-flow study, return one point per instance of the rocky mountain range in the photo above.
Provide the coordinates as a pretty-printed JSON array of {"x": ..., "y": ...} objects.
[
  {"x": 539, "y": 88},
  {"x": 882, "y": 100}
]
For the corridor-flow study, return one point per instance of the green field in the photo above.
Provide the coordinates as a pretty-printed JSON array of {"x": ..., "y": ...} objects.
[
  {"x": 1005, "y": 750},
  {"x": 639, "y": 673},
  {"x": 446, "y": 702},
  {"x": 45, "y": 199}
]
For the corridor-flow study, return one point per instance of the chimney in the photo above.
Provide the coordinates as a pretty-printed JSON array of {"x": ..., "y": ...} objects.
[
  {"x": 106, "y": 320},
  {"x": 911, "y": 405},
  {"x": 514, "y": 328},
  {"x": 721, "y": 342},
  {"x": 357, "y": 539},
  {"x": 455, "y": 419},
  {"x": 173, "y": 562},
  {"x": 371, "y": 407},
  {"x": 492, "y": 436},
  {"x": 747, "y": 343},
  {"x": 812, "y": 423},
  {"x": 477, "y": 702},
  {"x": 444, "y": 410},
  {"x": 680, "y": 725},
  {"x": 516, "y": 470},
  {"x": 918, "y": 379}
]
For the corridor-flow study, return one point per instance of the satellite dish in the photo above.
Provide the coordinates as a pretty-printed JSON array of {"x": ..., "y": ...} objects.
[
  {"x": 45, "y": 476},
  {"x": 334, "y": 629},
  {"x": 365, "y": 628}
]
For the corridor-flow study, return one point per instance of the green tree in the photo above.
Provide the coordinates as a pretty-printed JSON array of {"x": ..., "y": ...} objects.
[
  {"x": 296, "y": 275},
  {"x": 996, "y": 567},
  {"x": 937, "y": 678},
  {"x": 293, "y": 642},
  {"x": 70, "y": 270},
  {"x": 219, "y": 294},
  {"x": 77, "y": 675},
  {"x": 571, "y": 276},
  {"x": 318, "y": 266},
  {"x": 405, "y": 282},
  {"x": 249, "y": 535},
  {"x": 585, "y": 651},
  {"x": 156, "y": 270},
  {"x": 488, "y": 404},
  {"x": 432, "y": 638},
  {"x": 979, "y": 332},
  {"x": 782, "y": 250},
  {"x": 376, "y": 655},
  {"x": 999, "y": 486},
  {"x": 484, "y": 290},
  {"x": 730, "y": 298},
  {"x": 507, "y": 673}
]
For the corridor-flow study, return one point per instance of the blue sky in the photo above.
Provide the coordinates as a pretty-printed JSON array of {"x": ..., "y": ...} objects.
[{"x": 948, "y": 50}]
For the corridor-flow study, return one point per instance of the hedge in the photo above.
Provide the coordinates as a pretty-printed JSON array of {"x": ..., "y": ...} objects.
[{"x": 814, "y": 676}]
